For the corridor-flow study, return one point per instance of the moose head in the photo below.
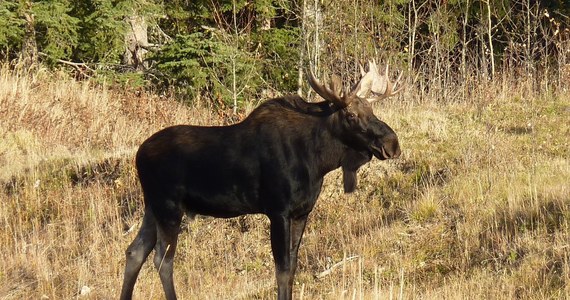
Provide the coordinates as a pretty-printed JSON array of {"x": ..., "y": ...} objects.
[{"x": 356, "y": 123}]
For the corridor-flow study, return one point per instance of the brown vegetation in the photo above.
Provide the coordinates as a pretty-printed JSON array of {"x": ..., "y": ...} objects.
[{"x": 476, "y": 207}]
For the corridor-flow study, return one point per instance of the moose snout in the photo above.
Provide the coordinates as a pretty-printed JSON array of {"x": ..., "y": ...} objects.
[{"x": 391, "y": 146}]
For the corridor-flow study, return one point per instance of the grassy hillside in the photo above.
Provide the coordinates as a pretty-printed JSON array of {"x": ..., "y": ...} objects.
[{"x": 477, "y": 207}]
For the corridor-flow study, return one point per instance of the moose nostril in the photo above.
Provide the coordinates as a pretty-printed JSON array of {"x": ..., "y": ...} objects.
[
  {"x": 397, "y": 153},
  {"x": 392, "y": 146}
]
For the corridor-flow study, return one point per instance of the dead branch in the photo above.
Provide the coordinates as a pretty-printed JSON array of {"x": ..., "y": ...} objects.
[
  {"x": 338, "y": 264},
  {"x": 80, "y": 67}
]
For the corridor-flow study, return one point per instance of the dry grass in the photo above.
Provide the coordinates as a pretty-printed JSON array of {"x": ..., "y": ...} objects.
[{"x": 476, "y": 208}]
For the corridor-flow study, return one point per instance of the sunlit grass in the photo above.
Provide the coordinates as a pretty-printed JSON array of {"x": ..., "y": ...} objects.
[{"x": 477, "y": 206}]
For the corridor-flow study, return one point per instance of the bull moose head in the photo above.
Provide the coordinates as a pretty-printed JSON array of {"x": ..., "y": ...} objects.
[{"x": 363, "y": 131}]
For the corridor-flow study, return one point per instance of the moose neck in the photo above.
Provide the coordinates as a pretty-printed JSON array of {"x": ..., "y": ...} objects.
[
  {"x": 317, "y": 128},
  {"x": 329, "y": 141}
]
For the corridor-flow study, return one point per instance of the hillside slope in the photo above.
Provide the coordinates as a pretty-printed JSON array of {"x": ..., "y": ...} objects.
[{"x": 477, "y": 207}]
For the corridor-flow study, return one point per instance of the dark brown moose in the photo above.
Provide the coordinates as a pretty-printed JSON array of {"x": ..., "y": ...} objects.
[{"x": 272, "y": 163}]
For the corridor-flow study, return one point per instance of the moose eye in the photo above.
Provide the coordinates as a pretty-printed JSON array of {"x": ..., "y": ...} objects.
[{"x": 351, "y": 116}]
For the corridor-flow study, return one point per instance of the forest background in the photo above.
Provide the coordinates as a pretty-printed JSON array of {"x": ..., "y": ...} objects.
[
  {"x": 227, "y": 52},
  {"x": 477, "y": 206}
]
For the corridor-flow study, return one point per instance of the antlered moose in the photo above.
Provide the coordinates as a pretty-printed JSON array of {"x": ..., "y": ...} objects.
[{"x": 271, "y": 163}]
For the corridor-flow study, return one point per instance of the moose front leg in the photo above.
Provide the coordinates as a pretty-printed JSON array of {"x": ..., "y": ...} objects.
[
  {"x": 281, "y": 247},
  {"x": 297, "y": 229}
]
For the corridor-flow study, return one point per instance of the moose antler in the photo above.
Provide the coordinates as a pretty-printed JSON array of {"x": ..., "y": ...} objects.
[
  {"x": 332, "y": 94},
  {"x": 378, "y": 85}
]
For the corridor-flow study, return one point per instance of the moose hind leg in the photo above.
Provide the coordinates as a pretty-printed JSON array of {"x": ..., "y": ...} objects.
[
  {"x": 164, "y": 256},
  {"x": 137, "y": 252}
]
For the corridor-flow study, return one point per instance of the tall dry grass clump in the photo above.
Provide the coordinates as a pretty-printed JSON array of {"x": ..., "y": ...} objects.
[
  {"x": 66, "y": 151},
  {"x": 477, "y": 207},
  {"x": 50, "y": 115}
]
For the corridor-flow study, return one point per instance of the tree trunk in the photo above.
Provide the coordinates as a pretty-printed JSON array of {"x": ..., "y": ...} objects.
[
  {"x": 490, "y": 35},
  {"x": 303, "y": 45},
  {"x": 29, "y": 46},
  {"x": 136, "y": 42},
  {"x": 311, "y": 25}
]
